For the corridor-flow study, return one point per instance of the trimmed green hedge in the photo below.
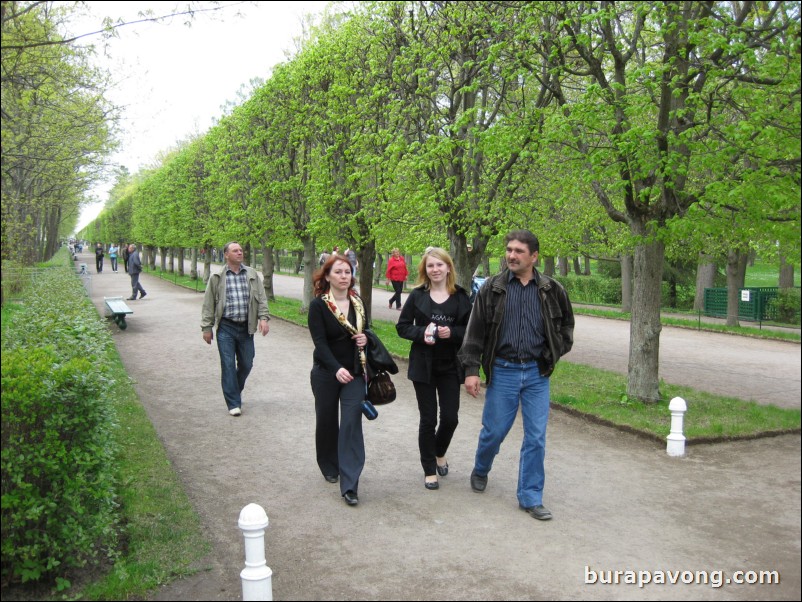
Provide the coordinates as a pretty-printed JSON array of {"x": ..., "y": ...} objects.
[
  {"x": 602, "y": 290},
  {"x": 58, "y": 427}
]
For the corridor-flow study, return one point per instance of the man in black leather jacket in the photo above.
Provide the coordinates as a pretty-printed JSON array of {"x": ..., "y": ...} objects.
[{"x": 521, "y": 324}]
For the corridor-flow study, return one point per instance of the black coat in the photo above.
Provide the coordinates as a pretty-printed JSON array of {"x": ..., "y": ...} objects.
[{"x": 415, "y": 317}]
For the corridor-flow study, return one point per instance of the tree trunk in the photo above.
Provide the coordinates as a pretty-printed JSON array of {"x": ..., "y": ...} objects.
[
  {"x": 577, "y": 267},
  {"x": 268, "y": 265},
  {"x": 562, "y": 265},
  {"x": 736, "y": 272},
  {"x": 300, "y": 259},
  {"x": 586, "y": 262},
  {"x": 379, "y": 272},
  {"x": 786, "y": 279},
  {"x": 705, "y": 278},
  {"x": 193, "y": 263},
  {"x": 308, "y": 258},
  {"x": 181, "y": 261},
  {"x": 643, "y": 381},
  {"x": 548, "y": 266},
  {"x": 626, "y": 283},
  {"x": 465, "y": 261},
  {"x": 207, "y": 264},
  {"x": 365, "y": 256}
]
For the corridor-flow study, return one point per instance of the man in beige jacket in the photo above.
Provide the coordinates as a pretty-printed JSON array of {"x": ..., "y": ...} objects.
[{"x": 235, "y": 301}]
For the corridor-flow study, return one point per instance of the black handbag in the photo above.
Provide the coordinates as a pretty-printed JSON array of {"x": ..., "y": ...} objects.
[
  {"x": 381, "y": 389},
  {"x": 379, "y": 359}
]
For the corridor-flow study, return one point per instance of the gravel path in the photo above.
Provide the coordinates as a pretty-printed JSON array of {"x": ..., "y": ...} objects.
[{"x": 619, "y": 502}]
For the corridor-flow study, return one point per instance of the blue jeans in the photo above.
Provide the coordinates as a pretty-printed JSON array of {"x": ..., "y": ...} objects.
[
  {"x": 236, "y": 360},
  {"x": 512, "y": 385}
]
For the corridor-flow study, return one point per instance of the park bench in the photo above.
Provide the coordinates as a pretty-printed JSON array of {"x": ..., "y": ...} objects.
[{"x": 118, "y": 309}]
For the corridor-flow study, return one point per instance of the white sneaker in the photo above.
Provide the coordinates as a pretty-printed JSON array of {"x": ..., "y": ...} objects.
[{"x": 235, "y": 411}]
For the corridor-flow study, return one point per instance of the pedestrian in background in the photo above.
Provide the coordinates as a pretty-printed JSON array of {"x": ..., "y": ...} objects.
[
  {"x": 236, "y": 303},
  {"x": 350, "y": 255},
  {"x": 113, "y": 250},
  {"x": 134, "y": 269},
  {"x": 434, "y": 319},
  {"x": 336, "y": 321},
  {"x": 99, "y": 254},
  {"x": 126, "y": 256},
  {"x": 522, "y": 323},
  {"x": 396, "y": 274}
]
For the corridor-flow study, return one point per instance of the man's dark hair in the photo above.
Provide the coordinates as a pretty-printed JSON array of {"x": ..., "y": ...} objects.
[{"x": 524, "y": 236}]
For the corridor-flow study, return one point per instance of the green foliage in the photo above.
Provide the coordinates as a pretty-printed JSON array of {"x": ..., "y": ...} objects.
[
  {"x": 785, "y": 306},
  {"x": 594, "y": 290},
  {"x": 58, "y": 447},
  {"x": 57, "y": 127},
  {"x": 57, "y": 472}
]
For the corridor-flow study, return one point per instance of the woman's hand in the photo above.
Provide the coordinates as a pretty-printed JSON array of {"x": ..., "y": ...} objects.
[
  {"x": 443, "y": 332},
  {"x": 361, "y": 339},
  {"x": 344, "y": 376}
]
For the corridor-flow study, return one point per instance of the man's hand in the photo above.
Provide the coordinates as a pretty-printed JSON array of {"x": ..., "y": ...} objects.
[
  {"x": 264, "y": 327},
  {"x": 208, "y": 336},
  {"x": 472, "y": 385}
]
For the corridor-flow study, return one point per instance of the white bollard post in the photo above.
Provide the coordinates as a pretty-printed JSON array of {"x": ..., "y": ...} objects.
[
  {"x": 257, "y": 578},
  {"x": 676, "y": 440}
]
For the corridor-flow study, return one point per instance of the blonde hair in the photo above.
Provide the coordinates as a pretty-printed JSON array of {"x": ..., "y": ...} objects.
[{"x": 441, "y": 254}]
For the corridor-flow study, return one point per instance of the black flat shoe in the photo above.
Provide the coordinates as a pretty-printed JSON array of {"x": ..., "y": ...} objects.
[
  {"x": 331, "y": 478},
  {"x": 350, "y": 498},
  {"x": 431, "y": 485},
  {"x": 442, "y": 470}
]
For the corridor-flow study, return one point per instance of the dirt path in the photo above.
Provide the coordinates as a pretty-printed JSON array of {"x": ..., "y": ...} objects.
[{"x": 620, "y": 503}]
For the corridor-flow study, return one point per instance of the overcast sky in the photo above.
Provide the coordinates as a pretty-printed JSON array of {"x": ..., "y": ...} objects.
[{"x": 174, "y": 79}]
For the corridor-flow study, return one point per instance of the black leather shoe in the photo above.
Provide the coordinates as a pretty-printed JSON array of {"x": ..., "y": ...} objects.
[
  {"x": 431, "y": 485},
  {"x": 442, "y": 470},
  {"x": 538, "y": 512},
  {"x": 131, "y": 298},
  {"x": 331, "y": 478},
  {"x": 478, "y": 483},
  {"x": 350, "y": 498}
]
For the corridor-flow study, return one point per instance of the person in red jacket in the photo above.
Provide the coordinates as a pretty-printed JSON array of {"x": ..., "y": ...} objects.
[{"x": 397, "y": 275}]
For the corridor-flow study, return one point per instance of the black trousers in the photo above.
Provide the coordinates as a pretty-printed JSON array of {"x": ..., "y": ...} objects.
[
  {"x": 339, "y": 442},
  {"x": 398, "y": 287},
  {"x": 433, "y": 440}
]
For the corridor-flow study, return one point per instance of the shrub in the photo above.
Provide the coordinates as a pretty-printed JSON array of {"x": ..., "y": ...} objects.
[
  {"x": 595, "y": 290},
  {"x": 785, "y": 306},
  {"x": 58, "y": 445},
  {"x": 57, "y": 452}
]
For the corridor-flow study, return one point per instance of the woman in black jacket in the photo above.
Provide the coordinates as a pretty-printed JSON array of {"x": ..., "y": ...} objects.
[
  {"x": 336, "y": 322},
  {"x": 434, "y": 318}
]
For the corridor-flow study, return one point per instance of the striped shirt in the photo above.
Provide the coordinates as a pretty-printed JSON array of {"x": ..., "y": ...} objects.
[
  {"x": 522, "y": 335},
  {"x": 236, "y": 308}
]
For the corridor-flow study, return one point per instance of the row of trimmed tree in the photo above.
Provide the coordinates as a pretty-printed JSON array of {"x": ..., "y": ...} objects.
[{"x": 646, "y": 129}]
